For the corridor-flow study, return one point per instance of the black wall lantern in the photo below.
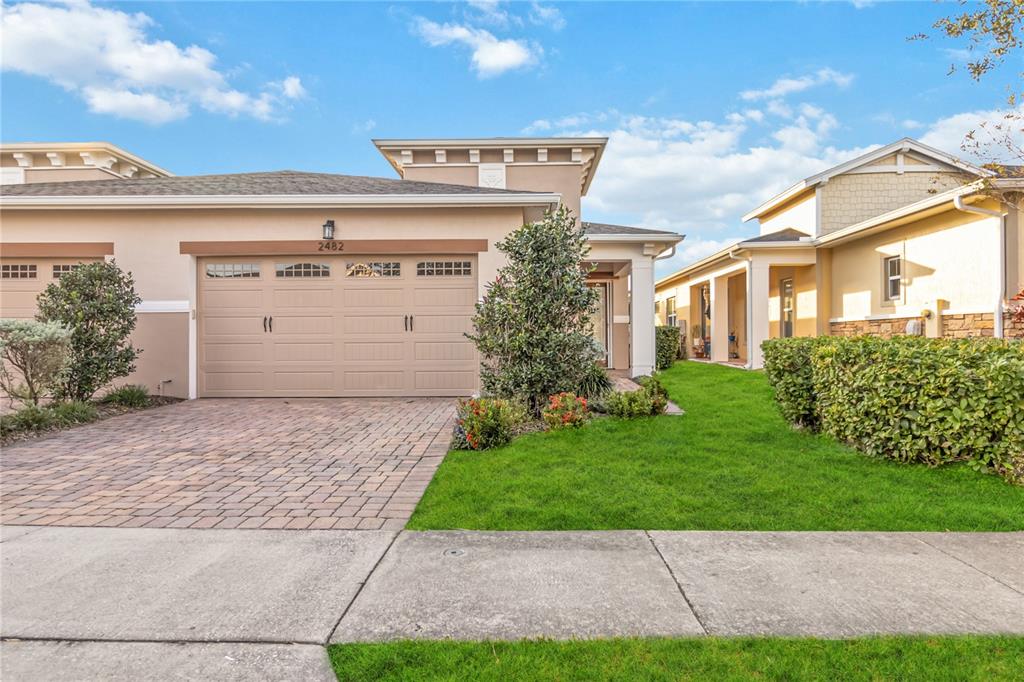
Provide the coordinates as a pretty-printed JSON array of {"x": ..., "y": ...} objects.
[{"x": 329, "y": 229}]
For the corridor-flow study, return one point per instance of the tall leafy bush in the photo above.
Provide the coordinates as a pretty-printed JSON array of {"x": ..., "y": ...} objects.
[
  {"x": 787, "y": 364},
  {"x": 96, "y": 301},
  {"x": 33, "y": 356},
  {"x": 531, "y": 327},
  {"x": 666, "y": 346}
]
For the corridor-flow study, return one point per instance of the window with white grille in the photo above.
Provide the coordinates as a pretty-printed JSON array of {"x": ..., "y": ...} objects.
[
  {"x": 232, "y": 270},
  {"x": 64, "y": 268},
  {"x": 18, "y": 271},
  {"x": 374, "y": 269},
  {"x": 444, "y": 268},
  {"x": 893, "y": 278},
  {"x": 303, "y": 270}
]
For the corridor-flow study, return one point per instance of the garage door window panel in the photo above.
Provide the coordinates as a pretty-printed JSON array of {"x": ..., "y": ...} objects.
[
  {"x": 444, "y": 268},
  {"x": 303, "y": 270},
  {"x": 18, "y": 271},
  {"x": 374, "y": 269},
  {"x": 232, "y": 270}
]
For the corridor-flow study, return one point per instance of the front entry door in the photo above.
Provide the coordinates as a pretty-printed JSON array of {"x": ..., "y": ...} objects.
[{"x": 788, "y": 307}]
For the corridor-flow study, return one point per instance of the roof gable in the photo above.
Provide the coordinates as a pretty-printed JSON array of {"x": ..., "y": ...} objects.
[{"x": 940, "y": 161}]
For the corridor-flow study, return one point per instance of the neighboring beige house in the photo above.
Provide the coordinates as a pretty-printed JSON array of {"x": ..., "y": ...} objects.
[
  {"x": 904, "y": 234},
  {"x": 245, "y": 292}
]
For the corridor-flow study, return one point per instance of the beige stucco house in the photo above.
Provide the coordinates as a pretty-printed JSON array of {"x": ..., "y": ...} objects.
[
  {"x": 245, "y": 291},
  {"x": 903, "y": 234}
]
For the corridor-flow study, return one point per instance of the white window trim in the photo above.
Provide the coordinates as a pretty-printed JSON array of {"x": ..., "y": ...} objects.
[{"x": 887, "y": 279}]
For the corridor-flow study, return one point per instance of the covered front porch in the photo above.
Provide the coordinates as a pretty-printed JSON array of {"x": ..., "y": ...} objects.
[
  {"x": 623, "y": 274},
  {"x": 760, "y": 294}
]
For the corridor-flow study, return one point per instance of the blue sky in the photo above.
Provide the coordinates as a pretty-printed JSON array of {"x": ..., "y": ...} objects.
[{"x": 710, "y": 107}]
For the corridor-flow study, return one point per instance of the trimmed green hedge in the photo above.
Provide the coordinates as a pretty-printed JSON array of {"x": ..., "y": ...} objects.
[
  {"x": 910, "y": 399},
  {"x": 666, "y": 346},
  {"x": 787, "y": 364}
]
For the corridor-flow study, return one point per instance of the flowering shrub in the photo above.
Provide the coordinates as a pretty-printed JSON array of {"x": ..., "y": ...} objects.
[
  {"x": 565, "y": 410},
  {"x": 487, "y": 423}
]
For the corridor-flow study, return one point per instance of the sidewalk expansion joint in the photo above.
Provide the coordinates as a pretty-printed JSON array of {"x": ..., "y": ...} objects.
[
  {"x": 969, "y": 565},
  {"x": 360, "y": 589},
  {"x": 679, "y": 585}
]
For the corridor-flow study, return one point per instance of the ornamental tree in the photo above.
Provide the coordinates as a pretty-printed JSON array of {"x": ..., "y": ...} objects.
[
  {"x": 532, "y": 327},
  {"x": 96, "y": 301},
  {"x": 33, "y": 356}
]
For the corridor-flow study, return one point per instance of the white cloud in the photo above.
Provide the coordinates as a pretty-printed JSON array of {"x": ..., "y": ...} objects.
[
  {"x": 108, "y": 58},
  {"x": 548, "y": 16},
  {"x": 490, "y": 12},
  {"x": 138, "y": 106},
  {"x": 292, "y": 88},
  {"x": 788, "y": 86},
  {"x": 992, "y": 129},
  {"x": 699, "y": 177},
  {"x": 490, "y": 55}
]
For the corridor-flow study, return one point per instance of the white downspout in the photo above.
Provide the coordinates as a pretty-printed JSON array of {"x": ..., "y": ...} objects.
[{"x": 997, "y": 316}]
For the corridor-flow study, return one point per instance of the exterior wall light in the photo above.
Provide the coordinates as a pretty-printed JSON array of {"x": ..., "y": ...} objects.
[{"x": 329, "y": 229}]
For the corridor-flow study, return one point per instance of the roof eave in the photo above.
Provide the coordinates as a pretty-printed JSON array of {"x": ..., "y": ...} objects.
[
  {"x": 776, "y": 200},
  {"x": 279, "y": 201},
  {"x": 488, "y": 142},
  {"x": 659, "y": 237},
  {"x": 148, "y": 166}
]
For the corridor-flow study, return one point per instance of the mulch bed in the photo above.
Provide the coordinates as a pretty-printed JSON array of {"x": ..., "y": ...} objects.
[{"x": 103, "y": 410}]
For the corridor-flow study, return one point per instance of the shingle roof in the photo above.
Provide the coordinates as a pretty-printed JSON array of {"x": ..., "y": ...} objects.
[
  {"x": 786, "y": 235},
  {"x": 604, "y": 228},
  {"x": 246, "y": 184}
]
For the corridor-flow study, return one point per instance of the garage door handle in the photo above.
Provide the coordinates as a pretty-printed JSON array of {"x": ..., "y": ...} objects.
[
  {"x": 406, "y": 318},
  {"x": 410, "y": 323},
  {"x": 264, "y": 324},
  {"x": 271, "y": 320}
]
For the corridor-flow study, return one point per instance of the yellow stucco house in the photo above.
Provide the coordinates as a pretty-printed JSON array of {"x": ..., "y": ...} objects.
[
  {"x": 288, "y": 283},
  {"x": 904, "y": 235}
]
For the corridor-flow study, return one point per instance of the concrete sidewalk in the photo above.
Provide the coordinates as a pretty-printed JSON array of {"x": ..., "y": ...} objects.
[{"x": 99, "y": 603}]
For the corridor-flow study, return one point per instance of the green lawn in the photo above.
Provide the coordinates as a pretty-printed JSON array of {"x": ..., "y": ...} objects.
[
  {"x": 730, "y": 463},
  {"x": 884, "y": 658}
]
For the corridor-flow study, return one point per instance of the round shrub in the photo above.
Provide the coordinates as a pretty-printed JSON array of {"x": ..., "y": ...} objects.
[
  {"x": 565, "y": 410},
  {"x": 33, "y": 357},
  {"x": 488, "y": 422}
]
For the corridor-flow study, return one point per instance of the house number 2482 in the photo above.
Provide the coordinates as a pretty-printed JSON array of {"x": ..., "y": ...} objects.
[{"x": 331, "y": 245}]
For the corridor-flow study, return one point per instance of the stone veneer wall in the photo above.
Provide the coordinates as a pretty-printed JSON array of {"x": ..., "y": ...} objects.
[
  {"x": 1011, "y": 329},
  {"x": 953, "y": 326},
  {"x": 885, "y": 328}
]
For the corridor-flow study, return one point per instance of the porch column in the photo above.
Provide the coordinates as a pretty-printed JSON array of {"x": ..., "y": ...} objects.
[
  {"x": 641, "y": 322},
  {"x": 720, "y": 318},
  {"x": 757, "y": 311}
]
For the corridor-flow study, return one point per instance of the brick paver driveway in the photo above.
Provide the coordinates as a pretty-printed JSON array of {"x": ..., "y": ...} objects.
[{"x": 302, "y": 463}]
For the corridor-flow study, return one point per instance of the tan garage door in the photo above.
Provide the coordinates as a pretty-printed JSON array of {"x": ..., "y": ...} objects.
[
  {"x": 337, "y": 326},
  {"x": 23, "y": 279}
]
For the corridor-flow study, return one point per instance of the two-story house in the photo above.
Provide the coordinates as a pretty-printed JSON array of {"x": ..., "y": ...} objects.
[
  {"x": 906, "y": 237},
  {"x": 289, "y": 283}
]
